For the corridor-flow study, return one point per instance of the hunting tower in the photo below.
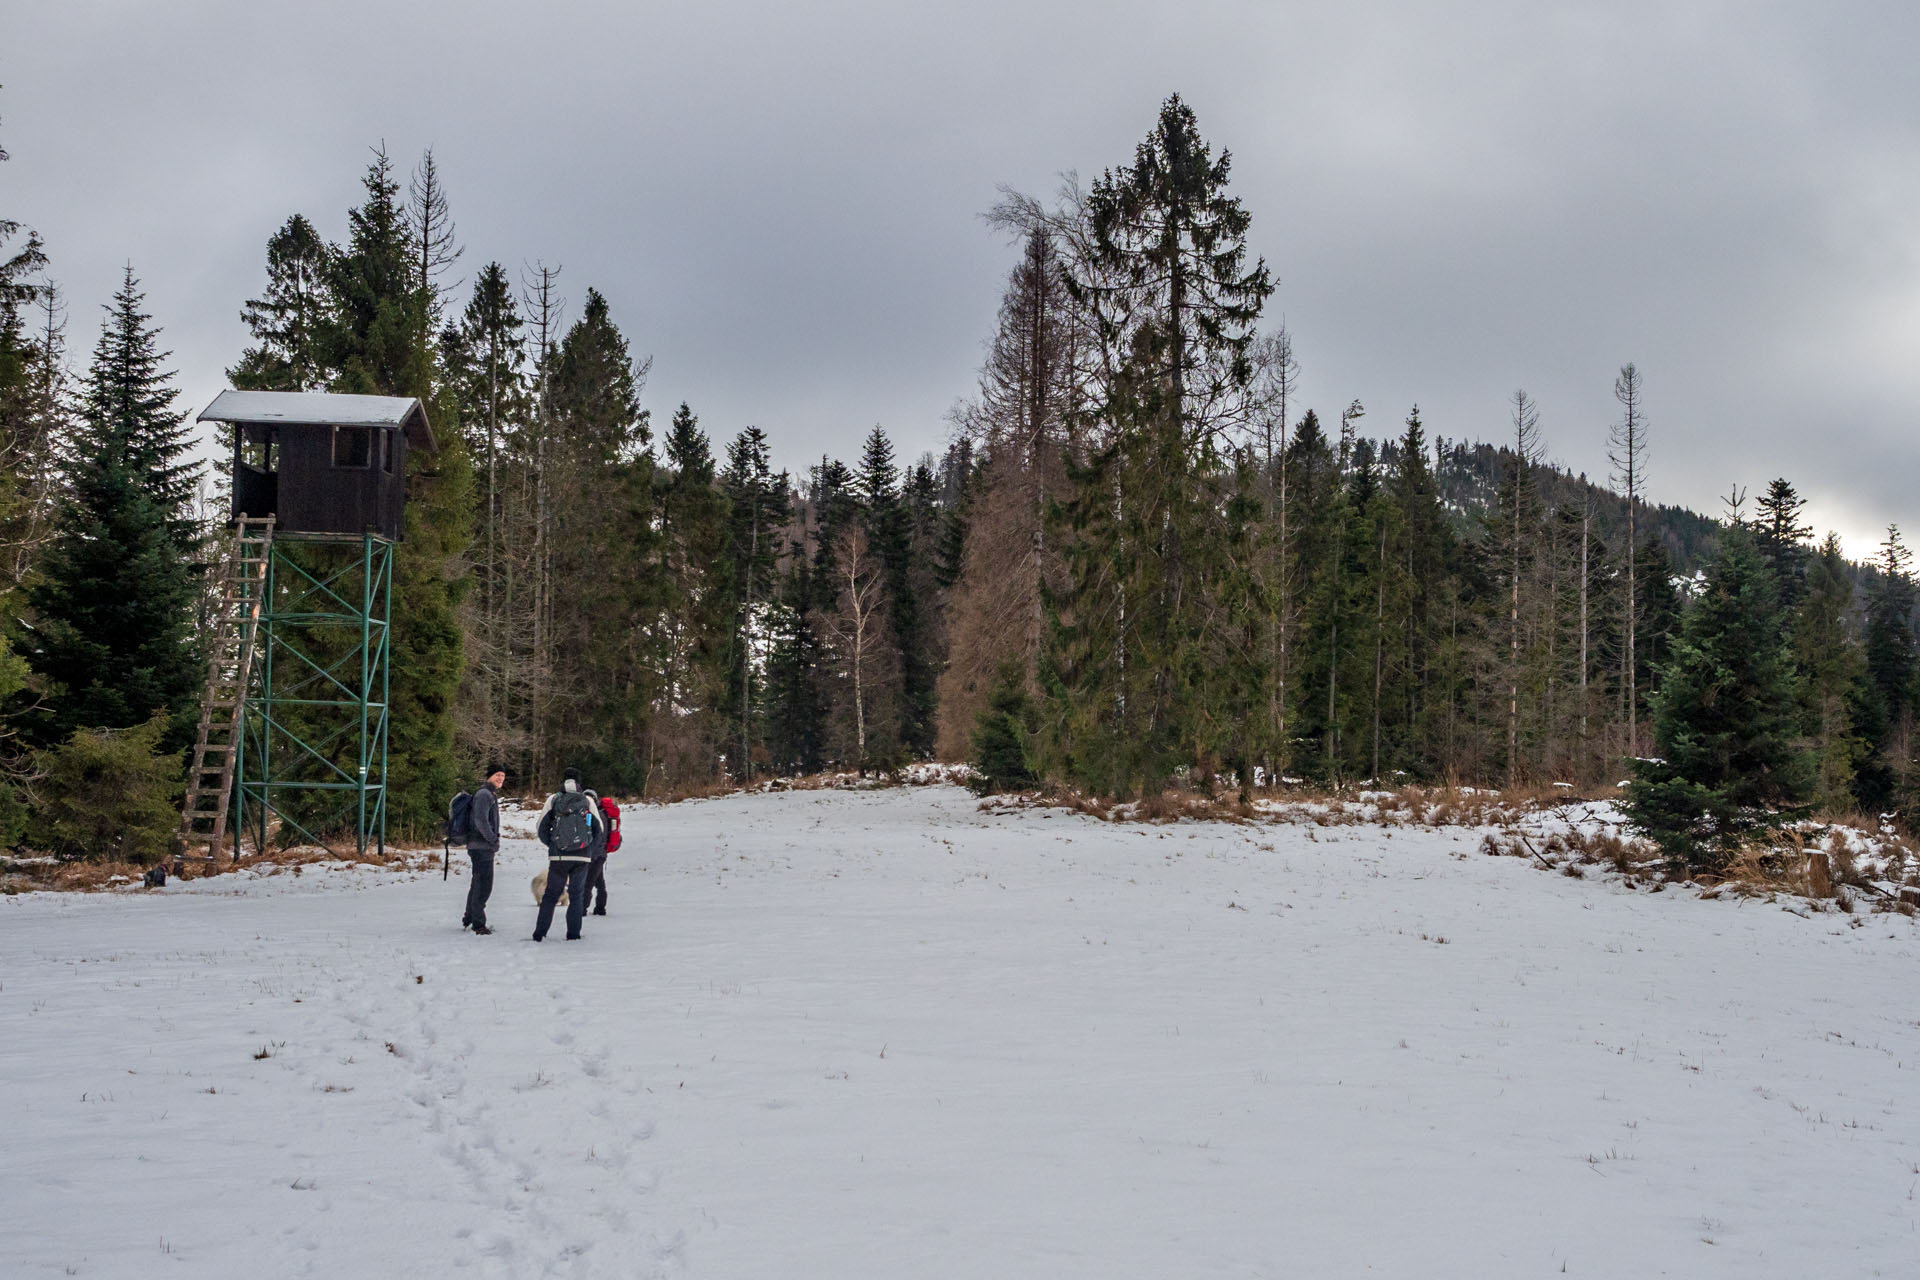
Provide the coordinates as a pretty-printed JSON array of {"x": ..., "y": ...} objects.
[{"x": 293, "y": 726}]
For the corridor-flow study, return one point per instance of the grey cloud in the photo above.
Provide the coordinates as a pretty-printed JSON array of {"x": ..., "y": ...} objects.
[{"x": 780, "y": 202}]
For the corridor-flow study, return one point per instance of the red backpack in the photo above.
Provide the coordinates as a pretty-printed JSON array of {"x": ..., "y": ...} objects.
[{"x": 611, "y": 812}]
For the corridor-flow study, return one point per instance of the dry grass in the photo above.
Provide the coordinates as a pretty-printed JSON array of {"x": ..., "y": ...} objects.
[
  {"x": 1168, "y": 806},
  {"x": 834, "y": 780},
  {"x": 97, "y": 876},
  {"x": 1439, "y": 806},
  {"x": 68, "y": 877},
  {"x": 701, "y": 790},
  {"x": 1172, "y": 806}
]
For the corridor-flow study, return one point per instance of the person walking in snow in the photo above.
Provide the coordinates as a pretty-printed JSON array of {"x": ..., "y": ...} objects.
[
  {"x": 483, "y": 843},
  {"x": 573, "y": 830},
  {"x": 609, "y": 841}
]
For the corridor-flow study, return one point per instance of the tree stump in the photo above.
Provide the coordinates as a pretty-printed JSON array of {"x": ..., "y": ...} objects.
[{"x": 1819, "y": 876}]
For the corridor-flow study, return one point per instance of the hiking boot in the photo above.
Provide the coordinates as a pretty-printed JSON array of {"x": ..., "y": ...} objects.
[
  {"x": 599, "y": 911},
  {"x": 482, "y": 929}
]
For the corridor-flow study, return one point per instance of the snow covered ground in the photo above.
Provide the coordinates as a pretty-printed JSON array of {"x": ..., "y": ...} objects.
[{"x": 853, "y": 1034}]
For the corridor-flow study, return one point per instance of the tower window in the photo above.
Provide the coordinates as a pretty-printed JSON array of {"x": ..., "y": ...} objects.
[{"x": 352, "y": 447}]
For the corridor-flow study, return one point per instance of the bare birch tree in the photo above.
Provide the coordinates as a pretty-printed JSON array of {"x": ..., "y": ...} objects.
[{"x": 856, "y": 630}]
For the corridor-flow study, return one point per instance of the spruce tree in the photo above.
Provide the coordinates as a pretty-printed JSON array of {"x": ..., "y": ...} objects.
[
  {"x": 889, "y": 532},
  {"x": 19, "y": 265},
  {"x": 758, "y": 510},
  {"x": 1893, "y": 677},
  {"x": 376, "y": 335},
  {"x": 114, "y": 605},
  {"x": 601, "y": 472},
  {"x": 1430, "y": 555},
  {"x": 36, "y": 415},
  {"x": 796, "y": 710},
  {"x": 1661, "y": 609},
  {"x": 1832, "y": 676},
  {"x": 1000, "y": 735},
  {"x": 377, "y": 340},
  {"x": 1090, "y": 703},
  {"x": 287, "y": 322},
  {"x": 688, "y": 726},
  {"x": 1164, "y": 277},
  {"x": 1726, "y": 719},
  {"x": 1318, "y": 524},
  {"x": 1783, "y": 540},
  {"x": 483, "y": 358}
]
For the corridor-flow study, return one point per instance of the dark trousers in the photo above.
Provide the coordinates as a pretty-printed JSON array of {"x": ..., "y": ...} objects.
[
  {"x": 569, "y": 878},
  {"x": 597, "y": 885},
  {"x": 481, "y": 889}
]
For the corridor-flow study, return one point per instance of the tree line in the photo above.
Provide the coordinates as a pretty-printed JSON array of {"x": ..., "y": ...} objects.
[
  {"x": 1174, "y": 573},
  {"x": 1141, "y": 561}
]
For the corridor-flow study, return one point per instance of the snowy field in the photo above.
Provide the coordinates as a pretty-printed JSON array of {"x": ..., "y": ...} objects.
[{"x": 885, "y": 1034}]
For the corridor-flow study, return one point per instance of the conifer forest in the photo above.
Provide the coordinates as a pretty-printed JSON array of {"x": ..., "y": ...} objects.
[{"x": 1139, "y": 561}]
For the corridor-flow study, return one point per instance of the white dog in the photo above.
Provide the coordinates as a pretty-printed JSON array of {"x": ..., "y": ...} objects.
[{"x": 540, "y": 890}]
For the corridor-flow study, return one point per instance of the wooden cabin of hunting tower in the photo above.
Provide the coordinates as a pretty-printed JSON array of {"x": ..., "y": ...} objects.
[{"x": 320, "y": 463}]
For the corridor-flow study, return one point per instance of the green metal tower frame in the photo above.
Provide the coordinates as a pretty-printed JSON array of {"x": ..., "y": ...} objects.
[{"x": 313, "y": 735}]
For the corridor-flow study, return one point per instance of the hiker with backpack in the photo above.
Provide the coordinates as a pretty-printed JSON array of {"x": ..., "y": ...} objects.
[
  {"x": 476, "y": 819},
  {"x": 573, "y": 829},
  {"x": 597, "y": 869}
]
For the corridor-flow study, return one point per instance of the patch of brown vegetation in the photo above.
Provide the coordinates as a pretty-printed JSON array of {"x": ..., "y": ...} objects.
[{"x": 87, "y": 875}]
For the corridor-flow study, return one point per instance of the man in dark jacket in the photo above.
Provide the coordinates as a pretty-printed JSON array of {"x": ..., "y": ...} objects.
[
  {"x": 483, "y": 842},
  {"x": 573, "y": 831}
]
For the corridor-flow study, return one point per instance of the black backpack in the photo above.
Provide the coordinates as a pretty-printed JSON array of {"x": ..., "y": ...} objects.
[
  {"x": 458, "y": 813},
  {"x": 572, "y": 822},
  {"x": 457, "y": 826}
]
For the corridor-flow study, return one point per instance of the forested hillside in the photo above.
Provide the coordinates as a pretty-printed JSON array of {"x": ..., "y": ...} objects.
[{"x": 1141, "y": 559}]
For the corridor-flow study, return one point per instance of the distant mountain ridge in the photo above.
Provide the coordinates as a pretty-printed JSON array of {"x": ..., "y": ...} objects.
[{"x": 1470, "y": 475}]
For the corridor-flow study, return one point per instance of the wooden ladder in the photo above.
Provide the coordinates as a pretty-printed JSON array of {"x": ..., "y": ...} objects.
[{"x": 216, "y": 748}]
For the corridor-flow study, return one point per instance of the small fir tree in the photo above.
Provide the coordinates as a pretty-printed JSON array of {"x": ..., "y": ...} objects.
[
  {"x": 110, "y": 794},
  {"x": 1725, "y": 719},
  {"x": 1000, "y": 735}
]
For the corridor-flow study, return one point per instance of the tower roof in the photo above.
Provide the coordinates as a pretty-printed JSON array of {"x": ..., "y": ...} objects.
[{"x": 323, "y": 409}]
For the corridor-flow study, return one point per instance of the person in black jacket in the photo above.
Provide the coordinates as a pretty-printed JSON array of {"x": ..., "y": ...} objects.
[
  {"x": 483, "y": 842},
  {"x": 573, "y": 830}
]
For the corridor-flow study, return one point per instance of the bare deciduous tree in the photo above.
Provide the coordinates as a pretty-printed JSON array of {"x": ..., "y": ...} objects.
[
  {"x": 1526, "y": 451},
  {"x": 430, "y": 221},
  {"x": 857, "y": 632},
  {"x": 1626, "y": 449}
]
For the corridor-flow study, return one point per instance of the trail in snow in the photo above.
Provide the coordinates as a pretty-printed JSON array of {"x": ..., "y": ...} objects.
[{"x": 833, "y": 1034}]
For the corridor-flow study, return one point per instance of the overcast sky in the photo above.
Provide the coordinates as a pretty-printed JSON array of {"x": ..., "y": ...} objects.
[{"x": 781, "y": 202}]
